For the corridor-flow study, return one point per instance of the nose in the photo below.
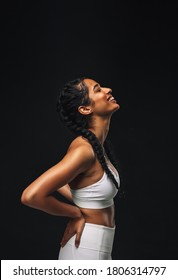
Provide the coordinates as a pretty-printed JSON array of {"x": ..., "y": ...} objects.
[{"x": 107, "y": 90}]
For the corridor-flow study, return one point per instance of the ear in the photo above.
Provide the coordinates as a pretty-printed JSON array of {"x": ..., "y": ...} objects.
[{"x": 85, "y": 110}]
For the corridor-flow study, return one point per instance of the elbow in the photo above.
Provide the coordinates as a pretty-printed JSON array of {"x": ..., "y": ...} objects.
[
  {"x": 24, "y": 199},
  {"x": 28, "y": 199}
]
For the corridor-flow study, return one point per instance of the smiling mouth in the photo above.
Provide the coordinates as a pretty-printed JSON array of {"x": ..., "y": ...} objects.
[{"x": 111, "y": 99}]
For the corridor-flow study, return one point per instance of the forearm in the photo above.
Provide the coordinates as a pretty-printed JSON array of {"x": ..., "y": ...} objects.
[
  {"x": 65, "y": 191},
  {"x": 51, "y": 205}
]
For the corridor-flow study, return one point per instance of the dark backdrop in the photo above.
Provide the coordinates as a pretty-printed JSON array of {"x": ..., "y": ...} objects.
[{"x": 129, "y": 46}]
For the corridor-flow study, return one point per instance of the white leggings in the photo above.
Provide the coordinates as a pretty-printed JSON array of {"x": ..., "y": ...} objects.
[{"x": 95, "y": 244}]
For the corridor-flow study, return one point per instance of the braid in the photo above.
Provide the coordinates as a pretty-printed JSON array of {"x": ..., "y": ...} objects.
[
  {"x": 99, "y": 152},
  {"x": 109, "y": 151},
  {"x": 73, "y": 95}
]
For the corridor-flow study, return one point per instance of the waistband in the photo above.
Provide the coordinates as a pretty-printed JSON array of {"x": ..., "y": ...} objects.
[{"x": 96, "y": 237}]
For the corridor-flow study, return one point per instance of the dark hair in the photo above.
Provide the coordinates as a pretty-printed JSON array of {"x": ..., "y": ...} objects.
[{"x": 73, "y": 95}]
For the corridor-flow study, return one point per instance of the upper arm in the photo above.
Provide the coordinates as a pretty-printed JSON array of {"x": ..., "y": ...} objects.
[{"x": 76, "y": 161}]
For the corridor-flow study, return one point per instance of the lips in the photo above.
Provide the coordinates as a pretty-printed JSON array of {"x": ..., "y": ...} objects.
[{"x": 111, "y": 99}]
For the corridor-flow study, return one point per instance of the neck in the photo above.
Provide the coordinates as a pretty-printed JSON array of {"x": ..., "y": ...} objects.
[{"x": 100, "y": 127}]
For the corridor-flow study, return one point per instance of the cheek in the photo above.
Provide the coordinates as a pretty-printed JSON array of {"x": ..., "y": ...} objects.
[
  {"x": 100, "y": 104},
  {"x": 101, "y": 99}
]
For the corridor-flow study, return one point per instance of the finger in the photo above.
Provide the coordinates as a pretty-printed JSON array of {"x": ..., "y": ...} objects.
[
  {"x": 67, "y": 229},
  {"x": 77, "y": 239},
  {"x": 78, "y": 235},
  {"x": 63, "y": 242},
  {"x": 66, "y": 238}
]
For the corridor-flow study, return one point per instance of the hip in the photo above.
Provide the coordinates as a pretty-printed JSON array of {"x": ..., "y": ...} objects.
[
  {"x": 96, "y": 237},
  {"x": 96, "y": 244}
]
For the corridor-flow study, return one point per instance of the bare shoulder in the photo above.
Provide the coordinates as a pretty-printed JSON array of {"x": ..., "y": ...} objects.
[{"x": 82, "y": 148}]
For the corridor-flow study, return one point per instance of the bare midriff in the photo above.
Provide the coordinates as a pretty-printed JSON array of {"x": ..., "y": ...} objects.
[{"x": 103, "y": 217}]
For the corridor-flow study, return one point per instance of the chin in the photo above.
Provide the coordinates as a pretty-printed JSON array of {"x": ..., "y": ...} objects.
[{"x": 116, "y": 107}]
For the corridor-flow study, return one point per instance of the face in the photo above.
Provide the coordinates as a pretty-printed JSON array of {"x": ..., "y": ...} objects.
[{"x": 102, "y": 100}]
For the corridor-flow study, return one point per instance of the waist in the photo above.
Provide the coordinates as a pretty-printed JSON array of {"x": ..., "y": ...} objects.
[{"x": 104, "y": 217}]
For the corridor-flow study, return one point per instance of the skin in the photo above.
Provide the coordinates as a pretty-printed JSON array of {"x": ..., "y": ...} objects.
[{"x": 77, "y": 169}]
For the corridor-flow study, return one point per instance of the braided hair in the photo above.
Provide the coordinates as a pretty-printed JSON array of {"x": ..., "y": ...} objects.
[{"x": 73, "y": 95}]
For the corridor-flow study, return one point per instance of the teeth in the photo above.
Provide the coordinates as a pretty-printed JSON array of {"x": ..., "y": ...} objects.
[{"x": 111, "y": 98}]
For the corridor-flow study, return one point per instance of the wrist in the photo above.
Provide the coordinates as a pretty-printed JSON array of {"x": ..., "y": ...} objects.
[{"x": 77, "y": 213}]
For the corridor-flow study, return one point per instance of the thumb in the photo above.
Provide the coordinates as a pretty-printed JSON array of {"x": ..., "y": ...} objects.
[{"x": 77, "y": 239}]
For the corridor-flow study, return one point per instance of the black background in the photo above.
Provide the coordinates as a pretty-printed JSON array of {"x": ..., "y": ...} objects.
[{"x": 129, "y": 46}]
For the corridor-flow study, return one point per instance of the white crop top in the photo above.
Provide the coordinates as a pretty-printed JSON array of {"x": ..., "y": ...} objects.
[{"x": 98, "y": 195}]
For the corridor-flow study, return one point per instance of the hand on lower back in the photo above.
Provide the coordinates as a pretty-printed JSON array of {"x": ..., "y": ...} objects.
[{"x": 74, "y": 227}]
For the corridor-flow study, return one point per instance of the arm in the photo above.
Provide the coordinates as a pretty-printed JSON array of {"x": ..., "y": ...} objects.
[
  {"x": 39, "y": 193},
  {"x": 65, "y": 191}
]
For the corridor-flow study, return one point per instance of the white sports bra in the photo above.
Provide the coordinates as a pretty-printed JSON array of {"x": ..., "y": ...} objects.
[{"x": 98, "y": 195}]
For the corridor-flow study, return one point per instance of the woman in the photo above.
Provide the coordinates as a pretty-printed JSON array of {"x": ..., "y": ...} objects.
[{"x": 87, "y": 175}]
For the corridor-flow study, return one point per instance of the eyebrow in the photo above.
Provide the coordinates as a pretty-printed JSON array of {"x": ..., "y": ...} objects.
[{"x": 95, "y": 86}]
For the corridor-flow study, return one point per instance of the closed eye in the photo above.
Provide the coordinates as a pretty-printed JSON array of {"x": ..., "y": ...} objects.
[{"x": 97, "y": 88}]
